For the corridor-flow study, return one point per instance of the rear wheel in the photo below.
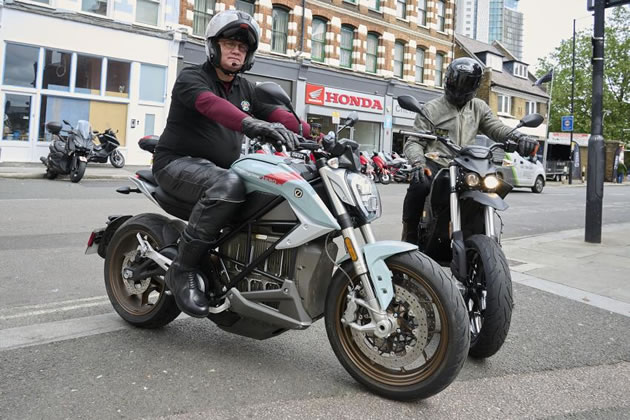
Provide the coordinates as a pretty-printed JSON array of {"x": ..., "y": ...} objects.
[
  {"x": 538, "y": 185},
  {"x": 488, "y": 295},
  {"x": 428, "y": 348},
  {"x": 143, "y": 302},
  {"x": 385, "y": 178},
  {"x": 117, "y": 159},
  {"x": 77, "y": 174}
]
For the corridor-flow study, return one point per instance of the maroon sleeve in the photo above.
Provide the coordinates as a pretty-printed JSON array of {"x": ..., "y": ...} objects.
[
  {"x": 288, "y": 120},
  {"x": 220, "y": 110}
]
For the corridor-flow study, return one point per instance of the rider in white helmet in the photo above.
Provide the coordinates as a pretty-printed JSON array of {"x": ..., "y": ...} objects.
[{"x": 212, "y": 108}]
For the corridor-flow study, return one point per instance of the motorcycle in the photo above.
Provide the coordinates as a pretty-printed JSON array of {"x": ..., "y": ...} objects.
[
  {"x": 68, "y": 154},
  {"x": 458, "y": 229},
  {"x": 380, "y": 169},
  {"x": 367, "y": 168},
  {"x": 399, "y": 169},
  {"x": 395, "y": 321},
  {"x": 107, "y": 149}
]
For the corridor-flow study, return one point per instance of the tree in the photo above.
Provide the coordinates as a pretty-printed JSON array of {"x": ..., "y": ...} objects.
[{"x": 616, "y": 78}]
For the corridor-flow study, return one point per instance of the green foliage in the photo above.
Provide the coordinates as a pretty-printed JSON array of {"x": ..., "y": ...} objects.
[{"x": 616, "y": 78}]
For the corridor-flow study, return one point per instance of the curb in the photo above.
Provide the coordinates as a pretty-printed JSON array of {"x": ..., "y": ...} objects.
[{"x": 18, "y": 175}]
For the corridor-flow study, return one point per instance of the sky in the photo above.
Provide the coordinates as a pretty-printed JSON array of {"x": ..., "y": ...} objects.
[{"x": 548, "y": 22}]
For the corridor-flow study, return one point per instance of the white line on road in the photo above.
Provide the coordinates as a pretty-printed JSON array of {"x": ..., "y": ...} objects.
[
  {"x": 52, "y": 311},
  {"x": 52, "y": 307}
]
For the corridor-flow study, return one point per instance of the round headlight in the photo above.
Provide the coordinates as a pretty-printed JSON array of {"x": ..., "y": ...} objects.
[
  {"x": 471, "y": 179},
  {"x": 491, "y": 182}
]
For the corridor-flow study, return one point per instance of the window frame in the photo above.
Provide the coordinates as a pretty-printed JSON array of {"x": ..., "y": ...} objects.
[
  {"x": 503, "y": 100},
  {"x": 320, "y": 42},
  {"x": 422, "y": 12},
  {"x": 275, "y": 32},
  {"x": 108, "y": 12},
  {"x": 424, "y": 57},
  {"x": 252, "y": 2},
  {"x": 347, "y": 29},
  {"x": 441, "y": 18},
  {"x": 372, "y": 35},
  {"x": 159, "y": 20},
  {"x": 164, "y": 93},
  {"x": 206, "y": 15},
  {"x": 399, "y": 46},
  {"x": 531, "y": 107},
  {"x": 403, "y": 4},
  {"x": 439, "y": 81}
]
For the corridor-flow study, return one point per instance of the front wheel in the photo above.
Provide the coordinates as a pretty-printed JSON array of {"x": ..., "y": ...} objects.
[
  {"x": 538, "y": 185},
  {"x": 488, "y": 295},
  {"x": 77, "y": 174},
  {"x": 428, "y": 348},
  {"x": 117, "y": 159},
  {"x": 142, "y": 302},
  {"x": 385, "y": 178}
]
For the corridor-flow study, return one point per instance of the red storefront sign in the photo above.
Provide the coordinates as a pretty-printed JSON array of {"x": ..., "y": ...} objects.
[{"x": 338, "y": 98}]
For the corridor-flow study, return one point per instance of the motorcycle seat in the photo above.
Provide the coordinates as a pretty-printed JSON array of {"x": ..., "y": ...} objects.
[{"x": 146, "y": 175}]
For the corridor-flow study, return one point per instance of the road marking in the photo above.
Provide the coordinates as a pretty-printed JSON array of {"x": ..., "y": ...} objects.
[
  {"x": 52, "y": 307},
  {"x": 602, "y": 302}
]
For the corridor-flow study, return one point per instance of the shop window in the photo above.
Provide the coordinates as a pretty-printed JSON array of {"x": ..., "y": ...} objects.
[
  {"x": 117, "y": 83},
  {"x": 420, "y": 65},
  {"x": 318, "y": 40},
  {"x": 399, "y": 55},
  {"x": 152, "y": 83},
  {"x": 147, "y": 11},
  {"x": 422, "y": 13},
  {"x": 368, "y": 135},
  {"x": 347, "y": 40},
  {"x": 88, "y": 78},
  {"x": 440, "y": 15},
  {"x": 17, "y": 117},
  {"x": 401, "y": 9},
  {"x": 246, "y": 6},
  {"x": 279, "y": 30},
  {"x": 202, "y": 13},
  {"x": 439, "y": 69},
  {"x": 372, "y": 53},
  {"x": 98, "y": 7},
  {"x": 20, "y": 65},
  {"x": 57, "y": 70}
]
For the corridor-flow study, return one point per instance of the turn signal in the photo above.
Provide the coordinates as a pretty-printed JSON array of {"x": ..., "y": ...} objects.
[{"x": 350, "y": 248}]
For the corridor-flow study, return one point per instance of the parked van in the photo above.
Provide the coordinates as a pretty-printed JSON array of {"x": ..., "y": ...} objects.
[{"x": 523, "y": 172}]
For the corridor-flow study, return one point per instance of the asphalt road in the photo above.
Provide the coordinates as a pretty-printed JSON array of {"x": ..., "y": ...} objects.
[{"x": 563, "y": 359}]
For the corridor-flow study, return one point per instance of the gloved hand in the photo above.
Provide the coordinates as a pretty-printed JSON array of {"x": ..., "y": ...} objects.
[
  {"x": 526, "y": 145},
  {"x": 253, "y": 127},
  {"x": 419, "y": 173}
]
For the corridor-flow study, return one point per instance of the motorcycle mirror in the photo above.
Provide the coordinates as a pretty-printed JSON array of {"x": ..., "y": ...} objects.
[
  {"x": 66, "y": 123},
  {"x": 272, "y": 93},
  {"x": 531, "y": 120},
  {"x": 411, "y": 104},
  {"x": 352, "y": 118}
]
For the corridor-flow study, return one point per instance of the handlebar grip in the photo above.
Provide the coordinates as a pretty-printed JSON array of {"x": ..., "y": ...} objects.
[{"x": 308, "y": 145}]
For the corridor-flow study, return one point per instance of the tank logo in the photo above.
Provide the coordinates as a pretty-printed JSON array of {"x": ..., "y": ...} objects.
[
  {"x": 298, "y": 193},
  {"x": 245, "y": 106},
  {"x": 281, "y": 177}
]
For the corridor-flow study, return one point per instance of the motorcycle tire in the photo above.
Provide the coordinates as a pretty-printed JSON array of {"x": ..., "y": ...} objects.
[
  {"x": 117, "y": 159},
  {"x": 385, "y": 178},
  {"x": 488, "y": 272},
  {"x": 77, "y": 174},
  {"x": 433, "y": 330},
  {"x": 144, "y": 303}
]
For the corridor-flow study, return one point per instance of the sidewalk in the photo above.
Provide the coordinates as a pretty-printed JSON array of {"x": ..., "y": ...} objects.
[
  {"x": 20, "y": 170},
  {"x": 564, "y": 264}
]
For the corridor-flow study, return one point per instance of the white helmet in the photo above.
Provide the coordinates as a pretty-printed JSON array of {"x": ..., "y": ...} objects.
[{"x": 232, "y": 24}]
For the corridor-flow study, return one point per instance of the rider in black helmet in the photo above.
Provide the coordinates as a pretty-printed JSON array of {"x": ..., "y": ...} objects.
[
  {"x": 212, "y": 108},
  {"x": 460, "y": 116}
]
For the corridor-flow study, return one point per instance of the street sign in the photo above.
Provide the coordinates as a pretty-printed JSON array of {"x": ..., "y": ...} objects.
[
  {"x": 567, "y": 123},
  {"x": 590, "y": 4},
  {"x": 335, "y": 117}
]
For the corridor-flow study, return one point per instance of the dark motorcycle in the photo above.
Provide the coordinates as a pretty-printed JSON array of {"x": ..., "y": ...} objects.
[
  {"x": 107, "y": 149},
  {"x": 68, "y": 154},
  {"x": 394, "y": 319},
  {"x": 457, "y": 229}
]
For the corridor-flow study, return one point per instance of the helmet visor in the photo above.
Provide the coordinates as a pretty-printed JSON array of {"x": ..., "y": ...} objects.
[{"x": 463, "y": 83}]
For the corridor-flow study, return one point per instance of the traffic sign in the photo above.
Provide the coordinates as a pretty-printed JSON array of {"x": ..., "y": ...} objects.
[{"x": 567, "y": 123}]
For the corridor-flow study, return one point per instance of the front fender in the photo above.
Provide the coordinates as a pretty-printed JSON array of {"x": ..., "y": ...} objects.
[
  {"x": 375, "y": 255},
  {"x": 487, "y": 199}
]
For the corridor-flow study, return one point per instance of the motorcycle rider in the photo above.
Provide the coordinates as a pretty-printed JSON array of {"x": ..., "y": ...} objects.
[
  {"x": 456, "y": 114},
  {"x": 211, "y": 109}
]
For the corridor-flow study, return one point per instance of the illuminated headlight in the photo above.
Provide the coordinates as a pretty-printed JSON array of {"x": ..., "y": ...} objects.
[
  {"x": 366, "y": 195},
  {"x": 491, "y": 182},
  {"x": 471, "y": 179}
]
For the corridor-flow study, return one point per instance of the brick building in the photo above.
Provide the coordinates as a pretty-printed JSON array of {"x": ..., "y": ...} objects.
[{"x": 346, "y": 54}]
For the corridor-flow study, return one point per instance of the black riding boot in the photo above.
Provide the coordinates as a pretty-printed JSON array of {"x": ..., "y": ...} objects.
[{"x": 181, "y": 276}]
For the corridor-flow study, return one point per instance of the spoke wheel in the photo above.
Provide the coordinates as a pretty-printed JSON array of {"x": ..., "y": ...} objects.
[
  {"x": 141, "y": 302},
  {"x": 117, "y": 159},
  {"x": 488, "y": 295},
  {"x": 428, "y": 347}
]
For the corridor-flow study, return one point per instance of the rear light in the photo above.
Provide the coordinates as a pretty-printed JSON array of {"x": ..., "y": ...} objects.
[{"x": 91, "y": 240}]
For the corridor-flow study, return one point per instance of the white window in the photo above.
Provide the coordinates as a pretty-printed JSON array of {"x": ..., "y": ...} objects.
[
  {"x": 439, "y": 69},
  {"x": 98, "y": 7},
  {"x": 401, "y": 9},
  {"x": 152, "y": 83},
  {"x": 422, "y": 12},
  {"x": 147, "y": 11},
  {"x": 494, "y": 61},
  {"x": 530, "y": 107},
  {"x": 505, "y": 104},
  {"x": 440, "y": 15}
]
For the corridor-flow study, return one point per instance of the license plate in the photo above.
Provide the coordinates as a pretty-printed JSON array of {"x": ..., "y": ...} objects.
[
  {"x": 94, "y": 240},
  {"x": 82, "y": 158}
]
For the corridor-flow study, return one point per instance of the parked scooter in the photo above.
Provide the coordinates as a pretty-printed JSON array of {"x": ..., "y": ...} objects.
[
  {"x": 107, "y": 149},
  {"x": 396, "y": 323},
  {"x": 380, "y": 168},
  {"x": 458, "y": 229},
  {"x": 68, "y": 154},
  {"x": 367, "y": 167}
]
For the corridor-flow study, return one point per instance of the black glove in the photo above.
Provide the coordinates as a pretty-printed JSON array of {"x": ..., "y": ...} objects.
[
  {"x": 526, "y": 145},
  {"x": 418, "y": 173},
  {"x": 253, "y": 127}
]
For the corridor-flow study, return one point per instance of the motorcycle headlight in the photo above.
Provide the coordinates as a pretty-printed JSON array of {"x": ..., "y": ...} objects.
[
  {"x": 472, "y": 179},
  {"x": 491, "y": 182},
  {"x": 366, "y": 195}
]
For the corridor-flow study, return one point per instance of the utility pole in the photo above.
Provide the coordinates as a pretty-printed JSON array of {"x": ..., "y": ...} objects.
[
  {"x": 572, "y": 117},
  {"x": 595, "y": 182}
]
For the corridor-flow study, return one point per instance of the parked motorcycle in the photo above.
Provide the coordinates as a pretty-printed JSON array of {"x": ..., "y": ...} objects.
[
  {"x": 380, "y": 169},
  {"x": 458, "y": 230},
  {"x": 395, "y": 321},
  {"x": 68, "y": 154},
  {"x": 107, "y": 149},
  {"x": 367, "y": 167}
]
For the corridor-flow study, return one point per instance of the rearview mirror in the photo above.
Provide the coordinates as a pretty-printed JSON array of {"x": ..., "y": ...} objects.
[
  {"x": 531, "y": 120},
  {"x": 272, "y": 93},
  {"x": 409, "y": 103},
  {"x": 352, "y": 118}
]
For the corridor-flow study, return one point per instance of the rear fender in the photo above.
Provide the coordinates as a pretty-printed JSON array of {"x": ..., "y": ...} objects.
[{"x": 113, "y": 223}]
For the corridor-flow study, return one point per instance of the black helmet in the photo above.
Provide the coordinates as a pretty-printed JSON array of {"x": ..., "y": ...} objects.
[
  {"x": 463, "y": 77},
  {"x": 232, "y": 24}
]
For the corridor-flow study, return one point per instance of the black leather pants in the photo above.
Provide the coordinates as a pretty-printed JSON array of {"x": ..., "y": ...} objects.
[
  {"x": 218, "y": 193},
  {"x": 414, "y": 205}
]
